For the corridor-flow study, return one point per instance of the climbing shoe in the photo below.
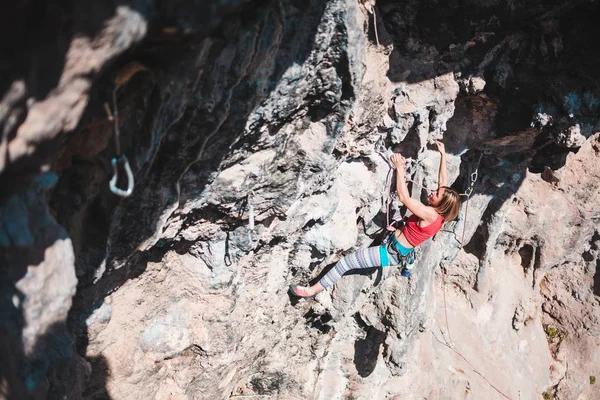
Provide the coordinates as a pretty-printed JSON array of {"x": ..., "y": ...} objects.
[
  {"x": 300, "y": 291},
  {"x": 405, "y": 272}
]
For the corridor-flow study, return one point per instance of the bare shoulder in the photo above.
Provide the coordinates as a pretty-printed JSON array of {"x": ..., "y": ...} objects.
[
  {"x": 424, "y": 212},
  {"x": 432, "y": 215}
]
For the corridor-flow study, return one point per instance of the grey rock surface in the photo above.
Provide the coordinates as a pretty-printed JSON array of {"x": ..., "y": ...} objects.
[{"x": 259, "y": 134}]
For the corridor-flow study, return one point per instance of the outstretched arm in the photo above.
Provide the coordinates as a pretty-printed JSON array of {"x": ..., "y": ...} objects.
[
  {"x": 443, "y": 175},
  {"x": 415, "y": 206}
]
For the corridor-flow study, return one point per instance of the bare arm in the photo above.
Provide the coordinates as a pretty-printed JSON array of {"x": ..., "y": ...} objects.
[
  {"x": 415, "y": 206},
  {"x": 443, "y": 174}
]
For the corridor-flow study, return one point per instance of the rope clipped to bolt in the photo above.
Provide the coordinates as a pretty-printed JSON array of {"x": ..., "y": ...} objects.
[
  {"x": 119, "y": 157},
  {"x": 468, "y": 194},
  {"x": 122, "y": 77},
  {"x": 389, "y": 227},
  {"x": 370, "y": 7},
  {"x": 450, "y": 344}
]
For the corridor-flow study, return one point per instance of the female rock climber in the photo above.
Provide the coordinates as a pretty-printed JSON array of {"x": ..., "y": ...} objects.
[{"x": 425, "y": 221}]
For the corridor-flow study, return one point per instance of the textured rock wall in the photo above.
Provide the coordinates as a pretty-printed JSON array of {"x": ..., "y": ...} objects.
[{"x": 289, "y": 109}]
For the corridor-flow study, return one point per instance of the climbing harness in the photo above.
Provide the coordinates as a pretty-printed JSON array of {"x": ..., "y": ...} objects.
[
  {"x": 407, "y": 260},
  {"x": 410, "y": 257},
  {"x": 119, "y": 157},
  {"x": 390, "y": 244},
  {"x": 390, "y": 241},
  {"x": 467, "y": 194}
]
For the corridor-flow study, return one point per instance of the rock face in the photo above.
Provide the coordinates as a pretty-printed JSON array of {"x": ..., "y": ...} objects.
[{"x": 258, "y": 134}]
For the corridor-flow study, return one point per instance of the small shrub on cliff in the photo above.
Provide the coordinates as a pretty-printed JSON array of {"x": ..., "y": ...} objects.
[
  {"x": 555, "y": 334},
  {"x": 592, "y": 379},
  {"x": 547, "y": 396}
]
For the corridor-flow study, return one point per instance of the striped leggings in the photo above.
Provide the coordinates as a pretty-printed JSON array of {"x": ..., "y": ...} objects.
[{"x": 363, "y": 258}]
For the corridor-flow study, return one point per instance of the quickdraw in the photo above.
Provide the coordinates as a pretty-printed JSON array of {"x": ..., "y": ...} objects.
[
  {"x": 474, "y": 175},
  {"x": 119, "y": 157},
  {"x": 468, "y": 192}
]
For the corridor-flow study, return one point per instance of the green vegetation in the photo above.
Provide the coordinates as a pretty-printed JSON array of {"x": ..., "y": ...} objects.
[
  {"x": 556, "y": 334},
  {"x": 547, "y": 396},
  {"x": 551, "y": 332},
  {"x": 592, "y": 379}
]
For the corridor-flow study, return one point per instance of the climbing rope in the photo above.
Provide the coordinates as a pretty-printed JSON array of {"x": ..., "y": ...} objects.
[
  {"x": 370, "y": 7},
  {"x": 388, "y": 183},
  {"x": 250, "y": 210},
  {"x": 122, "y": 77},
  {"x": 468, "y": 193},
  {"x": 119, "y": 157},
  {"x": 450, "y": 343},
  {"x": 451, "y": 346},
  {"x": 250, "y": 215},
  {"x": 375, "y": 27},
  {"x": 389, "y": 225}
]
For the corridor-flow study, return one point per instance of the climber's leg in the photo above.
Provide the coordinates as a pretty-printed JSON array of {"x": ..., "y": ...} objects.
[
  {"x": 306, "y": 292},
  {"x": 364, "y": 258}
]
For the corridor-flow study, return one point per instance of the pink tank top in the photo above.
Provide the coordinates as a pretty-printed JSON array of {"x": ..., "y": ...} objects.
[{"x": 417, "y": 235}]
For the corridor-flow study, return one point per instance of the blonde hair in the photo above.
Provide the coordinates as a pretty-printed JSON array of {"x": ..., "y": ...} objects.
[{"x": 449, "y": 205}]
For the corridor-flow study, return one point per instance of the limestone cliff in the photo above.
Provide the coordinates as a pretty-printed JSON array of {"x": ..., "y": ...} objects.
[{"x": 258, "y": 134}]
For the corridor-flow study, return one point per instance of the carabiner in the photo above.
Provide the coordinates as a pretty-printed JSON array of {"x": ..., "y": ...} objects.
[
  {"x": 113, "y": 181},
  {"x": 474, "y": 177},
  {"x": 469, "y": 191}
]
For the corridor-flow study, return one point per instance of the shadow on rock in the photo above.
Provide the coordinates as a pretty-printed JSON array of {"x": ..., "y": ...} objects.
[
  {"x": 176, "y": 133},
  {"x": 366, "y": 351},
  {"x": 597, "y": 279},
  {"x": 36, "y": 284},
  {"x": 96, "y": 388}
]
